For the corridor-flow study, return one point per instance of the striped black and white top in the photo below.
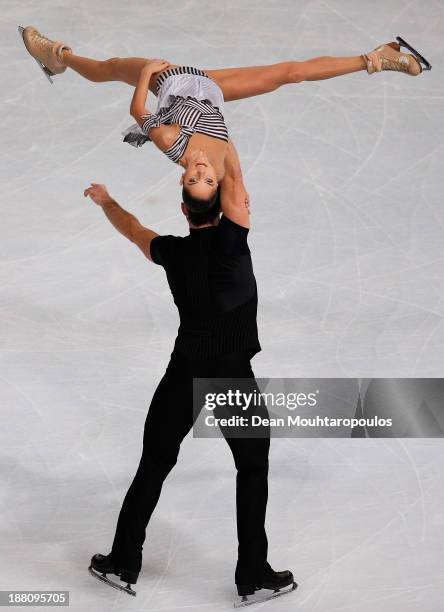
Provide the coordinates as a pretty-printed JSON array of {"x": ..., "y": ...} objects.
[{"x": 189, "y": 98}]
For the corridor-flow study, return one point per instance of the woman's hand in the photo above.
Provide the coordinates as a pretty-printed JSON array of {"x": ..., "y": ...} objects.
[
  {"x": 98, "y": 194},
  {"x": 156, "y": 65},
  {"x": 138, "y": 104}
]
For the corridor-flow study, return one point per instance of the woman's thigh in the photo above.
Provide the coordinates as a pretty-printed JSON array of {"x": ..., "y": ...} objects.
[
  {"x": 238, "y": 83},
  {"x": 128, "y": 70}
]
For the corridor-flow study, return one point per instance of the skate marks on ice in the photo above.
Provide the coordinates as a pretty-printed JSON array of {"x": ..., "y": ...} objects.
[
  {"x": 104, "y": 578},
  {"x": 48, "y": 74},
  {"x": 263, "y": 595}
]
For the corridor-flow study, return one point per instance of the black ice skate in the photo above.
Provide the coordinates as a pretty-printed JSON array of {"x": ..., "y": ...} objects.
[
  {"x": 419, "y": 57},
  {"x": 273, "y": 584},
  {"x": 103, "y": 564}
]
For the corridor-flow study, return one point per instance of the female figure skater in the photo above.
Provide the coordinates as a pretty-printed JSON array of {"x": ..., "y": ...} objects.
[{"x": 188, "y": 125}]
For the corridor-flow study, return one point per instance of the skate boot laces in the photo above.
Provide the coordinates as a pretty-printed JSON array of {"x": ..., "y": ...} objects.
[{"x": 389, "y": 57}]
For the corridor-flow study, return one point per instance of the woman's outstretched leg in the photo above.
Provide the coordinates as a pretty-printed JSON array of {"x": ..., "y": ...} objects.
[
  {"x": 237, "y": 83},
  {"x": 124, "y": 69},
  {"x": 56, "y": 56}
]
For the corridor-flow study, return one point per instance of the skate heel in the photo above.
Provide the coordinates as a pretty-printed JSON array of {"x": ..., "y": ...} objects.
[
  {"x": 129, "y": 577},
  {"x": 245, "y": 589},
  {"x": 426, "y": 65},
  {"x": 394, "y": 45}
]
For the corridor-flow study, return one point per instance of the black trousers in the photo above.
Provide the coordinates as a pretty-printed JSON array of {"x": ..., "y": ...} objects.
[{"x": 169, "y": 419}]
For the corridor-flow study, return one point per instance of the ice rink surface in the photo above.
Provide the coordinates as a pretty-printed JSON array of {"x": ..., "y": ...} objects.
[{"x": 346, "y": 181}]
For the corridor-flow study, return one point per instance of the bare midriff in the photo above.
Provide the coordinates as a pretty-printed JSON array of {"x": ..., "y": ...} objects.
[
  {"x": 165, "y": 136},
  {"x": 215, "y": 148}
]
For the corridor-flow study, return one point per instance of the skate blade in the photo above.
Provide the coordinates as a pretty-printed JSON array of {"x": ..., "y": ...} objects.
[
  {"x": 262, "y": 595},
  {"x": 419, "y": 57},
  {"x": 103, "y": 578},
  {"x": 48, "y": 74}
]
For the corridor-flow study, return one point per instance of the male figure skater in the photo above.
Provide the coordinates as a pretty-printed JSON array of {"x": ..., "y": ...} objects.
[{"x": 211, "y": 278}]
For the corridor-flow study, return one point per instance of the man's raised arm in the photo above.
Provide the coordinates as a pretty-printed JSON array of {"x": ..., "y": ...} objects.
[
  {"x": 233, "y": 195},
  {"x": 126, "y": 223}
]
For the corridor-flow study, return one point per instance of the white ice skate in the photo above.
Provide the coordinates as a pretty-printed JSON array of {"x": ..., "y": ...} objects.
[
  {"x": 47, "y": 53},
  {"x": 390, "y": 57}
]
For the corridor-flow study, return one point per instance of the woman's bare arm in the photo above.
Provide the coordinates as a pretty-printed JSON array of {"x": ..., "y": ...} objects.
[
  {"x": 138, "y": 108},
  {"x": 234, "y": 197}
]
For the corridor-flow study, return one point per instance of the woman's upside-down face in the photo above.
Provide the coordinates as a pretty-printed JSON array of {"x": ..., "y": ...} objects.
[{"x": 200, "y": 177}]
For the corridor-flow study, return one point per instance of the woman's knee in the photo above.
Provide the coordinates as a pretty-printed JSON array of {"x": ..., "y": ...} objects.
[
  {"x": 295, "y": 72},
  {"x": 111, "y": 71}
]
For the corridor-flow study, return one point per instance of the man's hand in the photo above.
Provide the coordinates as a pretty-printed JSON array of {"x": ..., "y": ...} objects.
[{"x": 98, "y": 194}]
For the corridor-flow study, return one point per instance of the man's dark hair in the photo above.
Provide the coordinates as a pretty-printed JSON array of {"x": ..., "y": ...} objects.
[{"x": 200, "y": 210}]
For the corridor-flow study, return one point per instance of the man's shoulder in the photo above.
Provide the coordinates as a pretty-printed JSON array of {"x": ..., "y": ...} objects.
[
  {"x": 169, "y": 237},
  {"x": 163, "y": 246},
  {"x": 232, "y": 236},
  {"x": 225, "y": 221}
]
